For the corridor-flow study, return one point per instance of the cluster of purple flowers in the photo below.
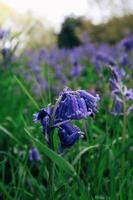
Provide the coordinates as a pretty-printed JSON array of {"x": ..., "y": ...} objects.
[
  {"x": 120, "y": 93},
  {"x": 63, "y": 64},
  {"x": 71, "y": 105}
]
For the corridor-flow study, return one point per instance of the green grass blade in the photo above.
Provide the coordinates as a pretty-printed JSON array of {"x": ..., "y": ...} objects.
[
  {"x": 26, "y": 92},
  {"x": 4, "y": 130},
  {"x": 83, "y": 152}
]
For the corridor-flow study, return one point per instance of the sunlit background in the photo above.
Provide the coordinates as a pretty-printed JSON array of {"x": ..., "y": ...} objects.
[
  {"x": 42, "y": 16},
  {"x": 54, "y": 12}
]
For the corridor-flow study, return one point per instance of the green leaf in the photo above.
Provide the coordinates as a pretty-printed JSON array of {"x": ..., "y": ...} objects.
[
  {"x": 4, "y": 191},
  {"x": 58, "y": 160},
  {"x": 4, "y": 130},
  {"x": 26, "y": 92},
  {"x": 83, "y": 152}
]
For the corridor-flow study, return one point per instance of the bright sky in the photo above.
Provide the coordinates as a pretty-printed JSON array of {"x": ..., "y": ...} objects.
[{"x": 53, "y": 10}]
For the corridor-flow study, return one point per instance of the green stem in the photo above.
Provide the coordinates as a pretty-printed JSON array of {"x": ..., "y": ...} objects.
[
  {"x": 124, "y": 121},
  {"x": 51, "y": 169},
  {"x": 123, "y": 138}
]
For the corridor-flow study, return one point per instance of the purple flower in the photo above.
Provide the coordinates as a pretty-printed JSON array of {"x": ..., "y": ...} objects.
[
  {"x": 127, "y": 43},
  {"x": 128, "y": 94},
  {"x": 120, "y": 93},
  {"x": 117, "y": 107},
  {"x": 3, "y": 33},
  {"x": 43, "y": 116},
  {"x": 116, "y": 74},
  {"x": 76, "y": 105},
  {"x": 84, "y": 37},
  {"x": 130, "y": 109},
  {"x": 76, "y": 69},
  {"x": 90, "y": 100},
  {"x": 105, "y": 58},
  {"x": 34, "y": 155},
  {"x": 71, "y": 105},
  {"x": 124, "y": 60},
  {"x": 68, "y": 135}
]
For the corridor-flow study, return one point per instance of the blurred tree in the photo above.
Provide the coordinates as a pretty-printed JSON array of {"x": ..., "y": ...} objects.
[
  {"x": 67, "y": 36},
  {"x": 112, "y": 31}
]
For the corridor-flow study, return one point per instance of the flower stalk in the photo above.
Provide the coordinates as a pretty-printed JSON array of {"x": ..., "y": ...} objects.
[
  {"x": 71, "y": 105},
  {"x": 51, "y": 168}
]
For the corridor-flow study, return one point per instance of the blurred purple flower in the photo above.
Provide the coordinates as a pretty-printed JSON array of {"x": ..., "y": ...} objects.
[
  {"x": 128, "y": 93},
  {"x": 34, "y": 155},
  {"x": 76, "y": 70},
  {"x": 124, "y": 59},
  {"x": 3, "y": 33},
  {"x": 117, "y": 107},
  {"x": 130, "y": 109},
  {"x": 127, "y": 43},
  {"x": 85, "y": 37},
  {"x": 105, "y": 58},
  {"x": 120, "y": 93}
]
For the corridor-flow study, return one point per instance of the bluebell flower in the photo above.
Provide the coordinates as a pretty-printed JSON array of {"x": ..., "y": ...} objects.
[
  {"x": 114, "y": 85},
  {"x": 34, "y": 155},
  {"x": 127, "y": 43},
  {"x": 68, "y": 134},
  {"x": 43, "y": 116},
  {"x": 120, "y": 92},
  {"x": 115, "y": 80},
  {"x": 128, "y": 93},
  {"x": 117, "y": 107},
  {"x": 116, "y": 73},
  {"x": 76, "y": 70},
  {"x": 105, "y": 58},
  {"x": 124, "y": 59},
  {"x": 70, "y": 108},
  {"x": 90, "y": 100},
  {"x": 71, "y": 105},
  {"x": 130, "y": 109},
  {"x": 76, "y": 105}
]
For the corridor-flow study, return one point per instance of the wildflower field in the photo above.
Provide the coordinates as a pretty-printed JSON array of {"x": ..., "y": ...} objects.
[{"x": 66, "y": 123}]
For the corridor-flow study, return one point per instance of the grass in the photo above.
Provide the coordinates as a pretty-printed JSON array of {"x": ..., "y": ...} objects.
[{"x": 90, "y": 170}]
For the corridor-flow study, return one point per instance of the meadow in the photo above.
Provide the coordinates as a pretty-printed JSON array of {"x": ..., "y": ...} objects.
[{"x": 36, "y": 165}]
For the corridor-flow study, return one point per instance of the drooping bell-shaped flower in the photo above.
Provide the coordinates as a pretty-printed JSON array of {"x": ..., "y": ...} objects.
[
  {"x": 71, "y": 105},
  {"x": 43, "y": 116},
  {"x": 90, "y": 100},
  {"x": 68, "y": 134}
]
